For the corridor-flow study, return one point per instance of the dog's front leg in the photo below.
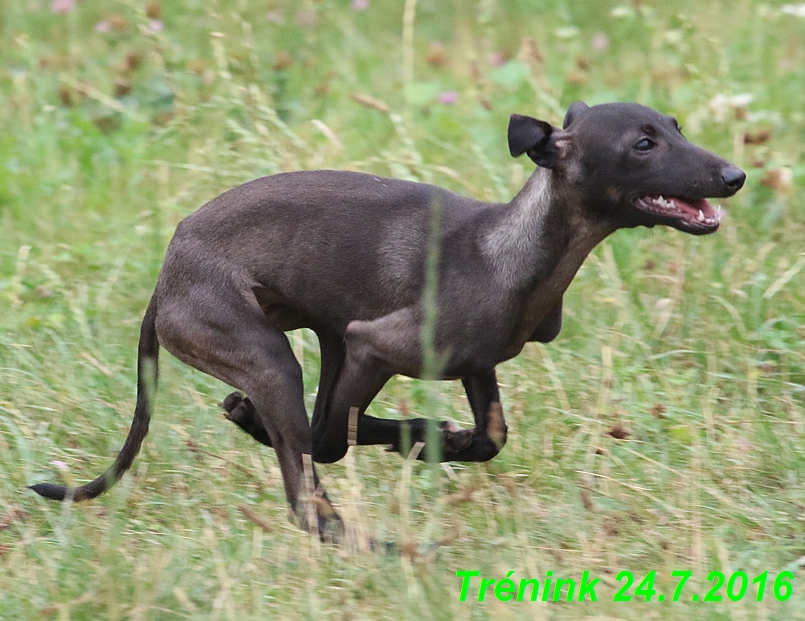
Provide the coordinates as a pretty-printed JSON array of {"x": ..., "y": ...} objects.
[
  {"x": 375, "y": 350},
  {"x": 456, "y": 444},
  {"x": 359, "y": 371},
  {"x": 490, "y": 426},
  {"x": 354, "y": 371}
]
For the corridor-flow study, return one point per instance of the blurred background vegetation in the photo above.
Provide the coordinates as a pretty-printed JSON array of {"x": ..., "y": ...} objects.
[{"x": 663, "y": 430}]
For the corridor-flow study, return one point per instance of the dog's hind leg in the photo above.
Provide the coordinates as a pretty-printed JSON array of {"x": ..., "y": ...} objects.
[
  {"x": 240, "y": 410},
  {"x": 234, "y": 342}
]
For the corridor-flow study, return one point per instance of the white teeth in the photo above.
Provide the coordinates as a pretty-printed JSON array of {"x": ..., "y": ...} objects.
[
  {"x": 665, "y": 203},
  {"x": 670, "y": 204}
]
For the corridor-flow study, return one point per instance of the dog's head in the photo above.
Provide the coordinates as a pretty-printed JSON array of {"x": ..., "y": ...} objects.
[{"x": 630, "y": 163}]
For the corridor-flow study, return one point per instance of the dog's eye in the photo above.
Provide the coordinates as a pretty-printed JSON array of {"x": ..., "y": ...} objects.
[{"x": 646, "y": 144}]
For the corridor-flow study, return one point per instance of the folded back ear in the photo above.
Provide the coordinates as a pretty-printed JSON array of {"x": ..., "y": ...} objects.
[
  {"x": 533, "y": 137},
  {"x": 575, "y": 109}
]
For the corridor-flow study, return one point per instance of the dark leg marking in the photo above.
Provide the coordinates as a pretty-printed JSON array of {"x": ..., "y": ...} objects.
[{"x": 240, "y": 410}]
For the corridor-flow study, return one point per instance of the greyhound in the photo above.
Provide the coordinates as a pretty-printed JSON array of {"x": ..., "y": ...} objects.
[{"x": 392, "y": 274}]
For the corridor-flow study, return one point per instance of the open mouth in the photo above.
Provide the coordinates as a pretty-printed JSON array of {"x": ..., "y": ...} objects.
[{"x": 694, "y": 215}]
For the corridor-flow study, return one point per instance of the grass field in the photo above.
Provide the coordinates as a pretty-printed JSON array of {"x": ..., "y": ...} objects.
[{"x": 663, "y": 430}]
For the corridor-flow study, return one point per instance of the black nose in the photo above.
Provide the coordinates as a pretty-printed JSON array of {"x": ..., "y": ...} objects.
[{"x": 733, "y": 178}]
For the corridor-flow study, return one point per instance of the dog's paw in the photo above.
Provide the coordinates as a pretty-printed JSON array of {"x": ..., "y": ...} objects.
[
  {"x": 454, "y": 437},
  {"x": 237, "y": 408},
  {"x": 231, "y": 401},
  {"x": 240, "y": 410}
]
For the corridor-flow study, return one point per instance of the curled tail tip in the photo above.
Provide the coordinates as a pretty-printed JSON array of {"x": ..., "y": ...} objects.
[
  {"x": 50, "y": 491},
  {"x": 76, "y": 494},
  {"x": 147, "y": 374}
]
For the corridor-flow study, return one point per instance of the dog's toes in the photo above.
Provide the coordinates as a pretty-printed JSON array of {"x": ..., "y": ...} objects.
[
  {"x": 239, "y": 410},
  {"x": 231, "y": 401},
  {"x": 454, "y": 437}
]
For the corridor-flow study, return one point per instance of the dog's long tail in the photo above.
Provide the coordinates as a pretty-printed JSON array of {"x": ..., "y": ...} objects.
[{"x": 147, "y": 373}]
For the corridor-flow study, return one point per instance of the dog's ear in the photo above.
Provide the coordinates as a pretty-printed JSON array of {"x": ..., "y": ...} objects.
[
  {"x": 533, "y": 137},
  {"x": 574, "y": 111}
]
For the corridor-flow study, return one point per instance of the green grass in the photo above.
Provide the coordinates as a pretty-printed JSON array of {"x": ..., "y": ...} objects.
[{"x": 695, "y": 347}]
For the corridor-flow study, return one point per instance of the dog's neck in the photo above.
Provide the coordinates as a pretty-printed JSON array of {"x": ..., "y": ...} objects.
[{"x": 542, "y": 236}]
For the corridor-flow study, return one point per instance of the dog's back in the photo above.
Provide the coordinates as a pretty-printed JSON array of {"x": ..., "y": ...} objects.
[{"x": 356, "y": 232}]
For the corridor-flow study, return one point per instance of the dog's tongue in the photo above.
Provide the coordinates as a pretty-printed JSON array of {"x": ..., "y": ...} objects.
[
  {"x": 695, "y": 210},
  {"x": 700, "y": 208}
]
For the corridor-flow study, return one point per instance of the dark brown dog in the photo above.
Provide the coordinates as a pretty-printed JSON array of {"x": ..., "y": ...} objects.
[{"x": 401, "y": 277}]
